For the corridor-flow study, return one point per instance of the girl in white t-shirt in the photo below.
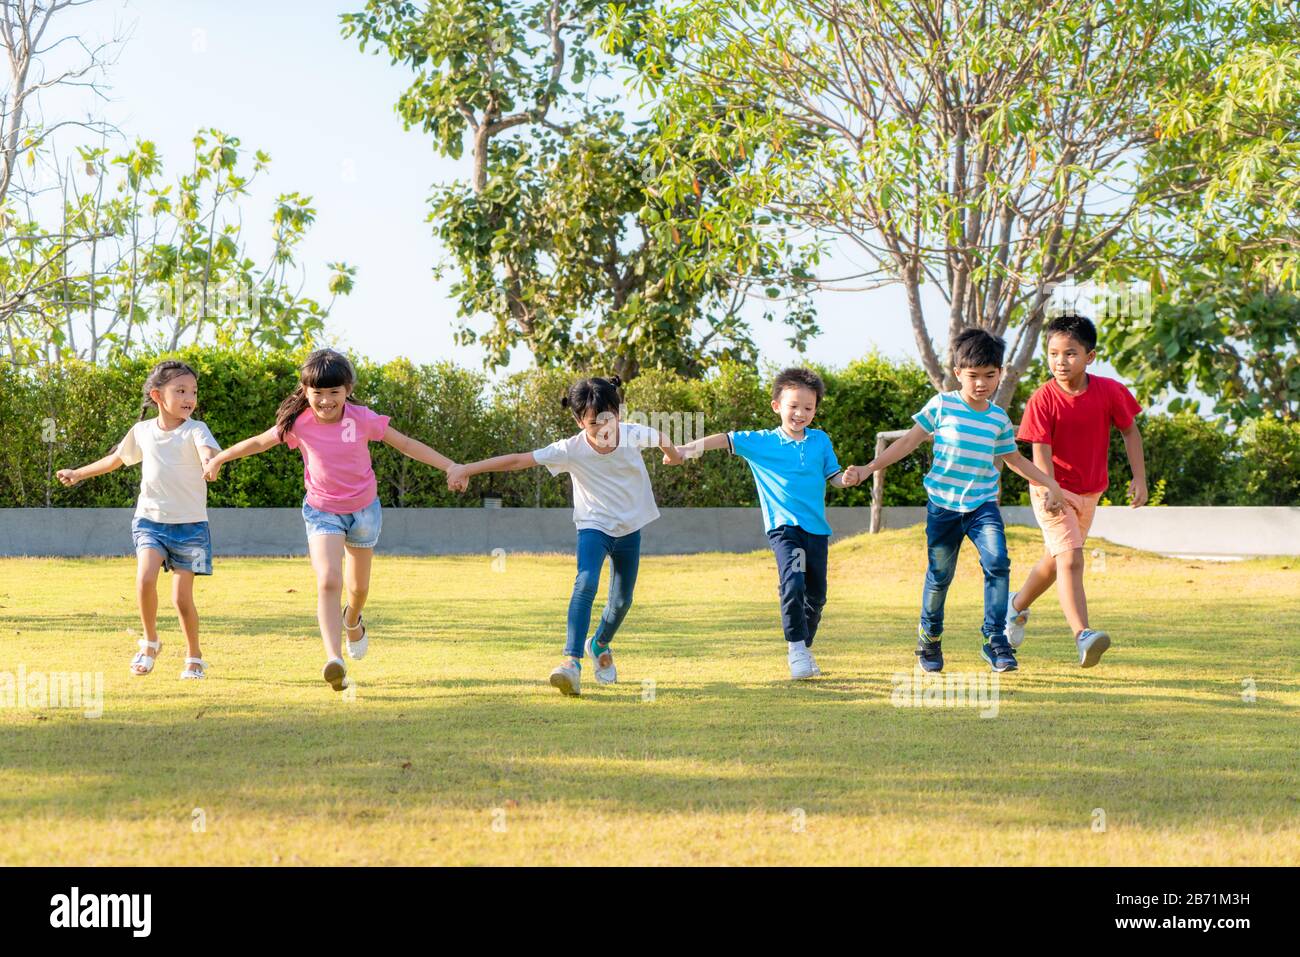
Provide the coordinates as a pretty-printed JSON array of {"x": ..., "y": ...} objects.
[
  {"x": 612, "y": 501},
  {"x": 170, "y": 527}
]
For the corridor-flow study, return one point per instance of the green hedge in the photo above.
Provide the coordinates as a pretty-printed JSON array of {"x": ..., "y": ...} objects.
[{"x": 87, "y": 409}]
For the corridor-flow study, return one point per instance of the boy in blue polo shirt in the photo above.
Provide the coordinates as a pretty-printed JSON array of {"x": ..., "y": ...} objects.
[
  {"x": 971, "y": 436},
  {"x": 791, "y": 466}
]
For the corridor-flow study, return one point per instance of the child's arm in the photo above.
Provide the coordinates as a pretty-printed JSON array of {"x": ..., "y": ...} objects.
[
  {"x": 109, "y": 463},
  {"x": 672, "y": 454},
  {"x": 415, "y": 449},
  {"x": 847, "y": 477},
  {"x": 1032, "y": 473},
  {"x": 258, "y": 443},
  {"x": 693, "y": 450},
  {"x": 896, "y": 452},
  {"x": 458, "y": 476},
  {"x": 1137, "y": 488}
]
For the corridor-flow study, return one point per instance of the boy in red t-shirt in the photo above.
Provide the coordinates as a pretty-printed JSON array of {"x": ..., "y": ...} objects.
[{"x": 1068, "y": 419}]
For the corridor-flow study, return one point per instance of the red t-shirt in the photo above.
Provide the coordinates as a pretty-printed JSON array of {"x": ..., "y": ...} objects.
[{"x": 1077, "y": 427}]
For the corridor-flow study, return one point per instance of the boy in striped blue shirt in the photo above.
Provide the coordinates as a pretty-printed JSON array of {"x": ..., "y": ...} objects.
[{"x": 971, "y": 436}]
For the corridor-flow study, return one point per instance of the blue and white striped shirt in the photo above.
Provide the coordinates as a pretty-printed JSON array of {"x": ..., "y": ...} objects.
[{"x": 964, "y": 475}]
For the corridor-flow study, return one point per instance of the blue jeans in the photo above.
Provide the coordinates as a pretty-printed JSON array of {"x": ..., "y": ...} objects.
[
  {"x": 801, "y": 569},
  {"x": 624, "y": 555},
  {"x": 186, "y": 547},
  {"x": 944, "y": 530},
  {"x": 360, "y": 528}
]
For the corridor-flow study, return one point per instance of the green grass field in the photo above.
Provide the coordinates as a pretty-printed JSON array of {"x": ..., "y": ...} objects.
[{"x": 455, "y": 750}]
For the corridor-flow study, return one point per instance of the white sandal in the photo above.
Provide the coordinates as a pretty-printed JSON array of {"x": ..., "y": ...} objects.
[
  {"x": 356, "y": 649},
  {"x": 336, "y": 673},
  {"x": 144, "y": 661},
  {"x": 201, "y": 673}
]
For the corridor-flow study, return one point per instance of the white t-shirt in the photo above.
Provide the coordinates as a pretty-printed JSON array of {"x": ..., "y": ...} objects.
[
  {"x": 611, "y": 491},
  {"x": 172, "y": 487}
]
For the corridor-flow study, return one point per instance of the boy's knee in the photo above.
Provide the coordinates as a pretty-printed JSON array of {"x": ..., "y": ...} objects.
[
  {"x": 619, "y": 606},
  {"x": 585, "y": 585},
  {"x": 1070, "y": 560}
]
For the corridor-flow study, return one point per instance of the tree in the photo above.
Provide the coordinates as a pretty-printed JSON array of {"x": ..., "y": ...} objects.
[
  {"x": 1225, "y": 316},
  {"x": 156, "y": 265},
  {"x": 551, "y": 234},
  {"x": 987, "y": 148}
]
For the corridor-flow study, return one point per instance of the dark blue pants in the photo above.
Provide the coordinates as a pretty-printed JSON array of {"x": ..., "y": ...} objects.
[
  {"x": 801, "y": 566},
  {"x": 944, "y": 530},
  {"x": 624, "y": 555}
]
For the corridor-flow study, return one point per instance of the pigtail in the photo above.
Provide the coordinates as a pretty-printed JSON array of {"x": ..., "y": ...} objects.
[{"x": 293, "y": 406}]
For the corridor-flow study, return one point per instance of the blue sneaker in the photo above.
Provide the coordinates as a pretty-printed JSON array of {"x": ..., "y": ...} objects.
[
  {"x": 928, "y": 650},
  {"x": 999, "y": 654},
  {"x": 1092, "y": 645}
]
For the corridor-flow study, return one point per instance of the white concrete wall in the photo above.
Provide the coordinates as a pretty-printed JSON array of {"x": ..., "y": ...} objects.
[{"x": 463, "y": 531}]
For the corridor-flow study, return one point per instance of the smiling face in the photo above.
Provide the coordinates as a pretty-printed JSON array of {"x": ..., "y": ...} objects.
[
  {"x": 1068, "y": 358},
  {"x": 978, "y": 383},
  {"x": 796, "y": 406},
  {"x": 177, "y": 398},
  {"x": 601, "y": 429},
  {"x": 327, "y": 404}
]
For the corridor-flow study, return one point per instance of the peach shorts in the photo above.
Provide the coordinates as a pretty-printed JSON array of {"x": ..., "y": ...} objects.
[{"x": 1067, "y": 529}]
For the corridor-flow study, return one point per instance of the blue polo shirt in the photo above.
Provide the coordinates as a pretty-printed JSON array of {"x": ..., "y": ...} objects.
[{"x": 790, "y": 475}]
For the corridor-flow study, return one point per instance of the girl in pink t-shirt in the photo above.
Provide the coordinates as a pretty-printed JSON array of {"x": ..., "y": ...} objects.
[{"x": 341, "y": 508}]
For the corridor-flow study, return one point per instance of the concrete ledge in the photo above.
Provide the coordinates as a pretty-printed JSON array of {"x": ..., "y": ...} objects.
[{"x": 1228, "y": 531}]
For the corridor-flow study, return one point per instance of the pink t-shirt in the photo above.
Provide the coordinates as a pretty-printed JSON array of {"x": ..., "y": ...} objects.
[{"x": 336, "y": 457}]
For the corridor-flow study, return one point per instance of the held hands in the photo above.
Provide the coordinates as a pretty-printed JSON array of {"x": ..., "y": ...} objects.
[
  {"x": 682, "y": 456},
  {"x": 68, "y": 476},
  {"x": 1137, "y": 493},
  {"x": 212, "y": 469},
  {"x": 853, "y": 475},
  {"x": 457, "y": 478}
]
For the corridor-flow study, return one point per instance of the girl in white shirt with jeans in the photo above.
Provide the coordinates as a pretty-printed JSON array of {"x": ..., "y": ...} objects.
[
  {"x": 612, "y": 501},
  {"x": 170, "y": 527}
]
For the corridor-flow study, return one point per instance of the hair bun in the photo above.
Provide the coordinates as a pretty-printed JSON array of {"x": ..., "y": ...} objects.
[
  {"x": 615, "y": 381},
  {"x": 564, "y": 402}
]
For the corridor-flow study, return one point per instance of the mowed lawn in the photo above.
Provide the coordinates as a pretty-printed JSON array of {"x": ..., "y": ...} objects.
[{"x": 455, "y": 750}]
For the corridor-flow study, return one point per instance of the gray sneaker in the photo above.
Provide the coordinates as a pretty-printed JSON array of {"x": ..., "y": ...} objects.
[
  {"x": 1092, "y": 645},
  {"x": 1015, "y": 622},
  {"x": 568, "y": 678},
  {"x": 602, "y": 663}
]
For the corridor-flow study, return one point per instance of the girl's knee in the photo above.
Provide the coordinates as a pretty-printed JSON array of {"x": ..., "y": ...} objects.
[{"x": 330, "y": 582}]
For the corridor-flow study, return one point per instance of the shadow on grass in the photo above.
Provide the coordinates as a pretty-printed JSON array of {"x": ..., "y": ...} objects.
[{"x": 696, "y": 747}]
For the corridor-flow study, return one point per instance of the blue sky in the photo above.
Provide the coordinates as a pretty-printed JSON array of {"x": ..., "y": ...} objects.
[{"x": 281, "y": 78}]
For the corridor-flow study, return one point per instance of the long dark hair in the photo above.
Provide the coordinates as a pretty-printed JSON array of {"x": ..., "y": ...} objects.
[
  {"x": 594, "y": 395},
  {"x": 159, "y": 376},
  {"x": 324, "y": 369}
]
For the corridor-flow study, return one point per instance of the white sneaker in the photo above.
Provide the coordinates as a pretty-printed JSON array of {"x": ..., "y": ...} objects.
[
  {"x": 801, "y": 661},
  {"x": 1092, "y": 645},
  {"x": 567, "y": 678},
  {"x": 602, "y": 665},
  {"x": 1016, "y": 621}
]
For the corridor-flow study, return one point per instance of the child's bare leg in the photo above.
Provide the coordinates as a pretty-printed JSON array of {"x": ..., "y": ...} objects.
[
  {"x": 327, "y": 562},
  {"x": 148, "y": 563},
  {"x": 187, "y": 612},
  {"x": 1069, "y": 585},
  {"x": 1040, "y": 579},
  {"x": 356, "y": 579}
]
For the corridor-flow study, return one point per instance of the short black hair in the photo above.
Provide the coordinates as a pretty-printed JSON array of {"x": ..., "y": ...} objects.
[
  {"x": 975, "y": 348},
  {"x": 1076, "y": 327},
  {"x": 795, "y": 378},
  {"x": 595, "y": 395}
]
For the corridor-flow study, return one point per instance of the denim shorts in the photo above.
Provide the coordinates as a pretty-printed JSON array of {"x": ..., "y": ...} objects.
[
  {"x": 186, "y": 546},
  {"x": 361, "y": 527}
]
